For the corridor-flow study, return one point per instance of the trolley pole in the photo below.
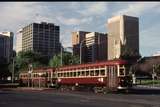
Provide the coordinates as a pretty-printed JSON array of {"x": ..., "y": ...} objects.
[{"x": 80, "y": 53}]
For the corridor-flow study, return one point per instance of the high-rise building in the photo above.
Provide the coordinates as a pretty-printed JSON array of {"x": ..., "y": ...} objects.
[
  {"x": 93, "y": 46},
  {"x": 123, "y": 36},
  {"x": 42, "y": 38},
  {"x": 6, "y": 47},
  {"x": 96, "y": 45},
  {"x": 78, "y": 38},
  {"x": 19, "y": 41}
]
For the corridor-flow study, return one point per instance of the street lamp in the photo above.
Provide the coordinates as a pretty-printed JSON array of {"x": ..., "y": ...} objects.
[
  {"x": 133, "y": 74},
  {"x": 29, "y": 74},
  {"x": 40, "y": 74},
  {"x": 13, "y": 71}
]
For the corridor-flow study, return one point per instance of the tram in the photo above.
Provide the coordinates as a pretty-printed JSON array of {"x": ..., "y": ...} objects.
[{"x": 104, "y": 76}]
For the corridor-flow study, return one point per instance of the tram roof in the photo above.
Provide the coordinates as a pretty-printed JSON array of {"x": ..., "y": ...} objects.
[{"x": 103, "y": 63}]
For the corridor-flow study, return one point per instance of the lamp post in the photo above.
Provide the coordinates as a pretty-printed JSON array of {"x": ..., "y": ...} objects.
[
  {"x": 133, "y": 74},
  {"x": 153, "y": 74},
  {"x": 13, "y": 71},
  {"x": 40, "y": 74},
  {"x": 29, "y": 74}
]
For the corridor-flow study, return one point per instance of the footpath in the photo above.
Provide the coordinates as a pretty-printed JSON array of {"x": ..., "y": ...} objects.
[{"x": 26, "y": 89}]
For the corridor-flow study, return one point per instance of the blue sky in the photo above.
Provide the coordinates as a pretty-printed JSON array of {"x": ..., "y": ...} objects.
[{"x": 86, "y": 16}]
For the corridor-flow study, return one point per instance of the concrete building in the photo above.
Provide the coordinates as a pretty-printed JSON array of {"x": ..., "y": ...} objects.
[
  {"x": 77, "y": 39},
  {"x": 6, "y": 45},
  {"x": 42, "y": 38},
  {"x": 93, "y": 46},
  {"x": 96, "y": 44},
  {"x": 123, "y": 36},
  {"x": 4, "y": 49},
  {"x": 19, "y": 41}
]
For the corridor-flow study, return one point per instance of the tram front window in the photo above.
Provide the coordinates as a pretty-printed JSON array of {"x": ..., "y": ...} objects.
[{"x": 121, "y": 72}]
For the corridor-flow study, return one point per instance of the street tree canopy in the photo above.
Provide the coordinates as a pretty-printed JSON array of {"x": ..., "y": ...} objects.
[{"x": 67, "y": 59}]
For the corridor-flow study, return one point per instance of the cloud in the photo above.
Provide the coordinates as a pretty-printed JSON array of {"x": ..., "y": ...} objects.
[
  {"x": 96, "y": 8},
  {"x": 149, "y": 40},
  {"x": 73, "y": 21},
  {"x": 137, "y": 8}
]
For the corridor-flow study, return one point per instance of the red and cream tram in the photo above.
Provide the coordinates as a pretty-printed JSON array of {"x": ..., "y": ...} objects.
[
  {"x": 104, "y": 76},
  {"x": 109, "y": 75},
  {"x": 39, "y": 77}
]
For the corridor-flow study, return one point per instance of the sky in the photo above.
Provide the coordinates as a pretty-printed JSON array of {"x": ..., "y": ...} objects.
[{"x": 84, "y": 16}]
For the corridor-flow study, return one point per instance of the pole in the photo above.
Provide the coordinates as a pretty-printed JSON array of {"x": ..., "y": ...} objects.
[
  {"x": 39, "y": 82},
  {"x": 13, "y": 71},
  {"x": 153, "y": 75},
  {"x": 61, "y": 55},
  {"x": 80, "y": 52}
]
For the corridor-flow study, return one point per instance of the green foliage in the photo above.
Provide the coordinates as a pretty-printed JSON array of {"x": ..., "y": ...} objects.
[
  {"x": 55, "y": 61},
  {"x": 23, "y": 59},
  {"x": 68, "y": 59}
]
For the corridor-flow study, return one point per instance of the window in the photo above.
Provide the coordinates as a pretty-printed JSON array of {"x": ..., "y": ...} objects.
[
  {"x": 87, "y": 73},
  {"x": 83, "y": 73},
  {"x": 65, "y": 74},
  {"x": 79, "y": 73},
  {"x": 59, "y": 74},
  {"x": 121, "y": 72},
  {"x": 102, "y": 72},
  {"x": 74, "y": 74},
  {"x": 91, "y": 73},
  {"x": 97, "y": 73},
  {"x": 68, "y": 74},
  {"x": 71, "y": 74}
]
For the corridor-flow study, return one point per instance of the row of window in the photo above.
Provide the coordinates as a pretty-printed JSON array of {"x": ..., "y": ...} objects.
[{"x": 82, "y": 73}]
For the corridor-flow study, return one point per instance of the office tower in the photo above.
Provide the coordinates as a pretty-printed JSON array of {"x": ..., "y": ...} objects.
[
  {"x": 123, "y": 36},
  {"x": 19, "y": 41},
  {"x": 4, "y": 49},
  {"x": 92, "y": 46},
  {"x": 78, "y": 40},
  {"x": 96, "y": 44},
  {"x": 42, "y": 38},
  {"x": 6, "y": 45}
]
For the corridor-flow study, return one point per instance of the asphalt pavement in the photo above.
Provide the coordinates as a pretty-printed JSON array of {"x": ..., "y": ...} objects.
[{"x": 53, "y": 98}]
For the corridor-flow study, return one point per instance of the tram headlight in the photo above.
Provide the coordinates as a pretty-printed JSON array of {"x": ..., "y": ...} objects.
[
  {"x": 100, "y": 79},
  {"x": 59, "y": 80}
]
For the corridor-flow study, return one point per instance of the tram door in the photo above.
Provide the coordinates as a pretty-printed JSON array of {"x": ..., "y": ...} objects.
[{"x": 112, "y": 77}]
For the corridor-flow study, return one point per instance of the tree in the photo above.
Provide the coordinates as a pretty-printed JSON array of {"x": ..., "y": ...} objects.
[
  {"x": 68, "y": 59},
  {"x": 55, "y": 61},
  {"x": 23, "y": 59}
]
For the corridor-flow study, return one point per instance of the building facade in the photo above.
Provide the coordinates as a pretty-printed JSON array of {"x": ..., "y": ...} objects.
[
  {"x": 123, "y": 36},
  {"x": 93, "y": 46},
  {"x": 19, "y": 41},
  {"x": 78, "y": 40},
  {"x": 42, "y": 38},
  {"x": 96, "y": 44},
  {"x": 6, "y": 47}
]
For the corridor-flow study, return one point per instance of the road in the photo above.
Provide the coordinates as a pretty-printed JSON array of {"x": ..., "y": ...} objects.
[{"x": 54, "y": 98}]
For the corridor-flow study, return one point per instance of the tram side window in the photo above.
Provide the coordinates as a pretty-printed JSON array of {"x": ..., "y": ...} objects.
[
  {"x": 87, "y": 73},
  {"x": 71, "y": 74},
  {"x": 83, "y": 73},
  {"x": 59, "y": 74},
  {"x": 79, "y": 74},
  {"x": 97, "y": 73},
  {"x": 102, "y": 72},
  {"x": 74, "y": 74},
  {"x": 92, "y": 73},
  {"x": 65, "y": 74}
]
